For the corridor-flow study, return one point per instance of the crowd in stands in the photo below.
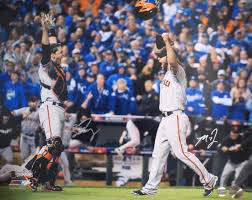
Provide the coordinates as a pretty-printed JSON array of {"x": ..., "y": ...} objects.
[{"x": 109, "y": 55}]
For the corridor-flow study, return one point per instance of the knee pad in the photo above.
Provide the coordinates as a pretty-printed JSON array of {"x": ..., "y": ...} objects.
[{"x": 55, "y": 146}]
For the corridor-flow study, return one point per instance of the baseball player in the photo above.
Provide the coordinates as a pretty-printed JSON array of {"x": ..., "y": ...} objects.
[
  {"x": 171, "y": 134},
  {"x": 52, "y": 111},
  {"x": 237, "y": 159},
  {"x": 67, "y": 134},
  {"x": 8, "y": 131},
  {"x": 236, "y": 191},
  {"x": 29, "y": 125},
  {"x": 137, "y": 129}
]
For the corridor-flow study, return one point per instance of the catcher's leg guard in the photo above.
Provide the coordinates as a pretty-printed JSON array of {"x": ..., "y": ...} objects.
[{"x": 39, "y": 169}]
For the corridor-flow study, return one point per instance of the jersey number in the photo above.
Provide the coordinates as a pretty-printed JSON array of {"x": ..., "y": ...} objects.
[{"x": 166, "y": 82}]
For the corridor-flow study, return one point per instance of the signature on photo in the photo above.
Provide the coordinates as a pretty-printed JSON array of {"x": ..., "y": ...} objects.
[
  {"x": 79, "y": 129},
  {"x": 208, "y": 138}
]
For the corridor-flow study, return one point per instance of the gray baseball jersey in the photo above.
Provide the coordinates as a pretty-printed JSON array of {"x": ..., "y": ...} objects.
[
  {"x": 30, "y": 122},
  {"x": 67, "y": 134}
]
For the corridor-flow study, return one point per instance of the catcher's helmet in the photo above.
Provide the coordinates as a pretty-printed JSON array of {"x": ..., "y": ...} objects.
[{"x": 145, "y": 9}]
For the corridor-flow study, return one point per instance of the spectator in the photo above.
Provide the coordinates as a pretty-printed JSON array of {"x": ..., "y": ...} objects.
[
  {"x": 122, "y": 101},
  {"x": 238, "y": 108},
  {"x": 202, "y": 47},
  {"x": 206, "y": 89},
  {"x": 185, "y": 23},
  {"x": 148, "y": 102},
  {"x": 71, "y": 88},
  {"x": 6, "y": 77},
  {"x": 221, "y": 75},
  {"x": 98, "y": 97},
  {"x": 195, "y": 100},
  {"x": 169, "y": 10},
  {"x": 156, "y": 83},
  {"x": 112, "y": 79},
  {"x": 246, "y": 94},
  {"x": 109, "y": 65},
  {"x": 221, "y": 101},
  {"x": 15, "y": 97},
  {"x": 30, "y": 89},
  {"x": 81, "y": 86}
]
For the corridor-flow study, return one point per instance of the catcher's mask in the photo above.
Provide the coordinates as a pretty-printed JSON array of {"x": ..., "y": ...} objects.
[{"x": 146, "y": 9}]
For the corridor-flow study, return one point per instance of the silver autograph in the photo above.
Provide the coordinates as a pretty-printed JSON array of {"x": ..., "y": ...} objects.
[
  {"x": 78, "y": 129},
  {"x": 210, "y": 138}
]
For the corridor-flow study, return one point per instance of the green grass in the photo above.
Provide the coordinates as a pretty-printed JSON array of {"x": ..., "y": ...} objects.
[{"x": 111, "y": 193}]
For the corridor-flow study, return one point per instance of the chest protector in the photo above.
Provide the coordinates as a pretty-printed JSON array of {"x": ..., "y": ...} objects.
[{"x": 59, "y": 88}]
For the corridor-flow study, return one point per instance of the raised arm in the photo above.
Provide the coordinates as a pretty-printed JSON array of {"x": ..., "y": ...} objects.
[
  {"x": 171, "y": 55},
  {"x": 45, "y": 41}
]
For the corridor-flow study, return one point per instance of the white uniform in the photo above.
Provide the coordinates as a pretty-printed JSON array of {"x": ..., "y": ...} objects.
[
  {"x": 28, "y": 125},
  {"x": 51, "y": 115},
  {"x": 171, "y": 134}
]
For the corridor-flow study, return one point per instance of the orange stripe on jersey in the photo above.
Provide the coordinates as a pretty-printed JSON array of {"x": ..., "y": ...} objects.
[
  {"x": 184, "y": 153},
  {"x": 49, "y": 121}
]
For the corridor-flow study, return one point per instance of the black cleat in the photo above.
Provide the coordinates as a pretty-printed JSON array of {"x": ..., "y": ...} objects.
[
  {"x": 33, "y": 183},
  {"x": 208, "y": 192},
  {"x": 56, "y": 188},
  {"x": 209, "y": 189},
  {"x": 141, "y": 193}
]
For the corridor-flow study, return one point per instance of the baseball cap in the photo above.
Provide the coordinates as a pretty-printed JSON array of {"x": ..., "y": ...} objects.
[
  {"x": 75, "y": 51},
  {"x": 132, "y": 65},
  {"x": 193, "y": 78},
  {"x": 162, "y": 72},
  {"x": 109, "y": 52},
  {"x": 238, "y": 31},
  {"x": 119, "y": 50},
  {"x": 204, "y": 35},
  {"x": 221, "y": 72},
  {"x": 222, "y": 81},
  {"x": 190, "y": 43},
  {"x": 33, "y": 98},
  {"x": 202, "y": 73},
  {"x": 23, "y": 74},
  {"x": 82, "y": 67},
  {"x": 39, "y": 50},
  {"x": 185, "y": 13},
  {"x": 105, "y": 23},
  {"x": 180, "y": 11},
  {"x": 121, "y": 65},
  {"x": 243, "y": 1},
  {"x": 108, "y": 5}
]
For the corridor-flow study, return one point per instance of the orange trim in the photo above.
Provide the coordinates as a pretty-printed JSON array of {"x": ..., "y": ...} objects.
[
  {"x": 49, "y": 121},
  {"x": 48, "y": 156},
  {"x": 56, "y": 160},
  {"x": 185, "y": 155},
  {"x": 49, "y": 165}
]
